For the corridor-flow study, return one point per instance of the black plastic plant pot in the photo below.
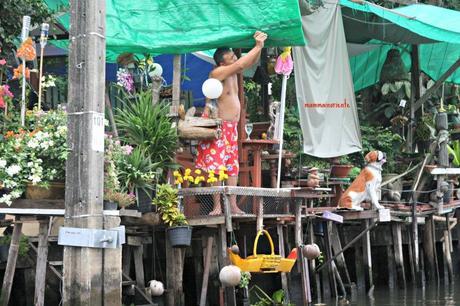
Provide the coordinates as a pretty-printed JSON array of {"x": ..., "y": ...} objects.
[
  {"x": 109, "y": 205},
  {"x": 144, "y": 200},
  {"x": 179, "y": 236}
]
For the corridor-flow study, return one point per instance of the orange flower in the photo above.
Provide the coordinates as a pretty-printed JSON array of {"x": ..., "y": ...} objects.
[
  {"x": 18, "y": 72},
  {"x": 26, "y": 50},
  {"x": 9, "y": 134}
]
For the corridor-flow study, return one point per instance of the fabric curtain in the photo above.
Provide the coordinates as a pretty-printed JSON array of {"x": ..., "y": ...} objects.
[{"x": 324, "y": 86}]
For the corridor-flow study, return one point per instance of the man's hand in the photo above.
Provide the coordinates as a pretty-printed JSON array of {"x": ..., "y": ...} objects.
[{"x": 260, "y": 38}]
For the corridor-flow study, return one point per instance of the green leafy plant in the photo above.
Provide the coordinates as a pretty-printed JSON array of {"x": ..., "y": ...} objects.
[
  {"x": 245, "y": 279},
  {"x": 23, "y": 243},
  {"x": 454, "y": 150},
  {"x": 167, "y": 201},
  {"x": 259, "y": 297},
  {"x": 383, "y": 139},
  {"x": 148, "y": 126},
  {"x": 136, "y": 171}
]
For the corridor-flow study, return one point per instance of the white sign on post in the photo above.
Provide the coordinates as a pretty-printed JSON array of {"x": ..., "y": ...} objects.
[{"x": 97, "y": 141}]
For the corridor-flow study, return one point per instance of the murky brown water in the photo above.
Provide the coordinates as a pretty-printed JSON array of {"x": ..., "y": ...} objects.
[{"x": 432, "y": 295}]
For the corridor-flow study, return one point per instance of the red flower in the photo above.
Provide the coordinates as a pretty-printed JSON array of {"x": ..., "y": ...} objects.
[
  {"x": 2, "y": 62},
  {"x": 2, "y": 103}
]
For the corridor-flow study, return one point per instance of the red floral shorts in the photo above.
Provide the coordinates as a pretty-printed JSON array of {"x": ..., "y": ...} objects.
[{"x": 220, "y": 152}]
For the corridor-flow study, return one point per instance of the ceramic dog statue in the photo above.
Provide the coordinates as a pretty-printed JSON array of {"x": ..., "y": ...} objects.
[{"x": 366, "y": 186}]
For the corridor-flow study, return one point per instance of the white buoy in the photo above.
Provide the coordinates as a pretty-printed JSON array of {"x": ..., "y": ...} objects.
[{"x": 230, "y": 276}]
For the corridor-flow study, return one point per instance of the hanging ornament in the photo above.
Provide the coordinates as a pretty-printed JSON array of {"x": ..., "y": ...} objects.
[
  {"x": 156, "y": 288},
  {"x": 284, "y": 64},
  {"x": 230, "y": 276},
  {"x": 311, "y": 251}
]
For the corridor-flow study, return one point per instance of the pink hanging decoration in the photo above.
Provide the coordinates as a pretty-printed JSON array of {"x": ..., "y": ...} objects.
[{"x": 284, "y": 63}]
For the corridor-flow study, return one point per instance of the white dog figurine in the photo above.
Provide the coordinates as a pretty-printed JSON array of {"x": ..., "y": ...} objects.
[{"x": 366, "y": 186}]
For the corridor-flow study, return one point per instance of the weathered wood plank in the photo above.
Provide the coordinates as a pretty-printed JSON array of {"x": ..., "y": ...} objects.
[
  {"x": 112, "y": 267},
  {"x": 367, "y": 258},
  {"x": 399, "y": 259},
  {"x": 11, "y": 265},
  {"x": 284, "y": 281},
  {"x": 207, "y": 264},
  {"x": 40, "y": 272}
]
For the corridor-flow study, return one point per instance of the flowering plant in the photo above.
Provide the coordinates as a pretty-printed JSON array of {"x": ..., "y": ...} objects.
[
  {"x": 125, "y": 80},
  {"x": 36, "y": 156},
  {"x": 198, "y": 178},
  {"x": 5, "y": 96}
]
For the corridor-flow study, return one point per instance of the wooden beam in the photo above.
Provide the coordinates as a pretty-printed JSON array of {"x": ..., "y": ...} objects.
[
  {"x": 174, "y": 272},
  {"x": 112, "y": 267},
  {"x": 340, "y": 260},
  {"x": 447, "y": 248},
  {"x": 391, "y": 266},
  {"x": 349, "y": 244},
  {"x": 229, "y": 292},
  {"x": 282, "y": 253},
  {"x": 207, "y": 264},
  {"x": 11, "y": 265},
  {"x": 436, "y": 85},
  {"x": 327, "y": 242},
  {"x": 429, "y": 248},
  {"x": 305, "y": 278},
  {"x": 399, "y": 258},
  {"x": 176, "y": 86},
  {"x": 367, "y": 258},
  {"x": 40, "y": 272}
]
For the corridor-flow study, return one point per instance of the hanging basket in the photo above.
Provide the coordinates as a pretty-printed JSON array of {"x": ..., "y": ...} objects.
[{"x": 263, "y": 263}]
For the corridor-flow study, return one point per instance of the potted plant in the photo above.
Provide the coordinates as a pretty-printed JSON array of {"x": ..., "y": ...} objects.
[
  {"x": 340, "y": 167},
  {"x": 34, "y": 160},
  {"x": 424, "y": 132},
  {"x": 167, "y": 203},
  {"x": 136, "y": 175}
]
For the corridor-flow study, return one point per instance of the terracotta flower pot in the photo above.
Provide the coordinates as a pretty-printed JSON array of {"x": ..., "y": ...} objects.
[
  {"x": 340, "y": 171},
  {"x": 55, "y": 191}
]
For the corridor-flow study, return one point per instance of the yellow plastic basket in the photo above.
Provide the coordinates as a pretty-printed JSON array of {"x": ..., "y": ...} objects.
[{"x": 262, "y": 263}]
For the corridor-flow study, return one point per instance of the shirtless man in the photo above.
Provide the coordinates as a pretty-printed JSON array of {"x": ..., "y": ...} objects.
[{"x": 224, "y": 151}]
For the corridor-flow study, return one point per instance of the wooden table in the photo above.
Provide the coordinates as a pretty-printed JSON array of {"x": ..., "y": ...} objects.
[{"x": 256, "y": 146}]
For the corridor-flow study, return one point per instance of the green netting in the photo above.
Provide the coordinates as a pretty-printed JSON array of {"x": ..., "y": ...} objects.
[
  {"x": 435, "y": 59},
  {"x": 425, "y": 20},
  {"x": 182, "y": 26}
]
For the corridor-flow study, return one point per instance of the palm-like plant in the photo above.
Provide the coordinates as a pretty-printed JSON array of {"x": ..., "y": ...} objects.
[
  {"x": 148, "y": 126},
  {"x": 136, "y": 171}
]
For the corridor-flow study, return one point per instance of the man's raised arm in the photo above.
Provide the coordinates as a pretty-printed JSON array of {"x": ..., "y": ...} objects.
[{"x": 222, "y": 72}]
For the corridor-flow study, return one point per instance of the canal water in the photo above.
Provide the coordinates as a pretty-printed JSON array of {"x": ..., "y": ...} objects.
[{"x": 432, "y": 295}]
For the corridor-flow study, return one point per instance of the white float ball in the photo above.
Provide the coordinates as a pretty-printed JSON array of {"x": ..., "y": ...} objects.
[
  {"x": 230, "y": 276},
  {"x": 212, "y": 88},
  {"x": 157, "y": 71},
  {"x": 311, "y": 251},
  {"x": 156, "y": 288}
]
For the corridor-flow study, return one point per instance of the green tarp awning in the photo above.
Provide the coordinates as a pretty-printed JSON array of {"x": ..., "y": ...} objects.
[
  {"x": 182, "y": 26},
  {"x": 436, "y": 30}
]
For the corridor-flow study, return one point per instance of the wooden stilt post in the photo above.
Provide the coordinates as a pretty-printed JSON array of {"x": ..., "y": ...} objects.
[
  {"x": 11, "y": 265},
  {"x": 84, "y": 283},
  {"x": 367, "y": 259},
  {"x": 138, "y": 254},
  {"x": 429, "y": 248},
  {"x": 126, "y": 262},
  {"x": 399, "y": 258},
  {"x": 359, "y": 268},
  {"x": 316, "y": 278},
  {"x": 340, "y": 260},
  {"x": 391, "y": 266},
  {"x": 174, "y": 271},
  {"x": 40, "y": 272},
  {"x": 330, "y": 268},
  {"x": 305, "y": 278},
  {"x": 447, "y": 252},
  {"x": 229, "y": 293},
  {"x": 207, "y": 264},
  {"x": 284, "y": 282},
  {"x": 457, "y": 227},
  {"x": 411, "y": 257}
]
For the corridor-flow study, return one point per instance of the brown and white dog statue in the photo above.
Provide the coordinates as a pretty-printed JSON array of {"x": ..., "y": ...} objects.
[{"x": 366, "y": 186}]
